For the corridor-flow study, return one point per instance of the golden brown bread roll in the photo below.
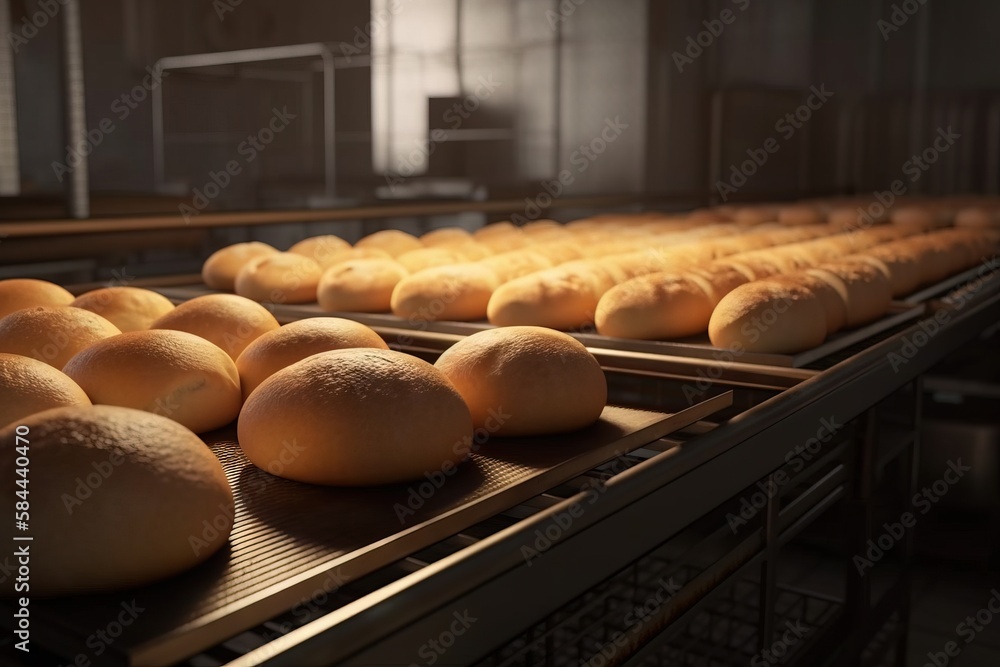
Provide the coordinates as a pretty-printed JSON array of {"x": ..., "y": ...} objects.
[
  {"x": 119, "y": 499},
  {"x": 220, "y": 269},
  {"x": 523, "y": 381},
  {"x": 720, "y": 280},
  {"x": 458, "y": 292},
  {"x": 360, "y": 286},
  {"x": 833, "y": 304},
  {"x": 426, "y": 258},
  {"x": 232, "y": 322},
  {"x": 297, "y": 340},
  {"x": 321, "y": 249},
  {"x": 18, "y": 293},
  {"x": 564, "y": 297},
  {"x": 658, "y": 306},
  {"x": 865, "y": 290},
  {"x": 171, "y": 373},
  {"x": 445, "y": 236},
  {"x": 349, "y": 254},
  {"x": 52, "y": 334},
  {"x": 393, "y": 241},
  {"x": 799, "y": 215},
  {"x": 279, "y": 278},
  {"x": 335, "y": 407},
  {"x": 765, "y": 316},
  {"x": 128, "y": 308},
  {"x": 510, "y": 265},
  {"x": 900, "y": 267},
  {"x": 29, "y": 386}
]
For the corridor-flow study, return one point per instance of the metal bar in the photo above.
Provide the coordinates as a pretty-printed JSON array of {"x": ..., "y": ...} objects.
[
  {"x": 10, "y": 171},
  {"x": 254, "y": 218},
  {"x": 75, "y": 107},
  {"x": 329, "y": 126},
  {"x": 491, "y": 580},
  {"x": 768, "y": 567}
]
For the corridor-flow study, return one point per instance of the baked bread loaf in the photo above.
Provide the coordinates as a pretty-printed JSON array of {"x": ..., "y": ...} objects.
[
  {"x": 128, "y": 308},
  {"x": 18, "y": 293},
  {"x": 297, "y": 340},
  {"x": 279, "y": 278},
  {"x": 29, "y": 386},
  {"x": 564, "y": 297},
  {"x": 392, "y": 241},
  {"x": 865, "y": 290},
  {"x": 360, "y": 286},
  {"x": 524, "y": 381},
  {"x": 445, "y": 236},
  {"x": 52, "y": 334},
  {"x": 220, "y": 269},
  {"x": 357, "y": 417},
  {"x": 767, "y": 316},
  {"x": 426, "y": 258},
  {"x": 119, "y": 499},
  {"x": 833, "y": 304},
  {"x": 232, "y": 322},
  {"x": 171, "y": 373},
  {"x": 321, "y": 249},
  {"x": 657, "y": 306},
  {"x": 458, "y": 292}
]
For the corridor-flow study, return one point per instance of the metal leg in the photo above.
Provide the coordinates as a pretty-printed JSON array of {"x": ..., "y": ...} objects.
[
  {"x": 768, "y": 568},
  {"x": 859, "y": 523}
]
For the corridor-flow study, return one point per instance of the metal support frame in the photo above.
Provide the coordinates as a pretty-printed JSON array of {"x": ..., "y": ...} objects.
[
  {"x": 330, "y": 64},
  {"x": 75, "y": 102}
]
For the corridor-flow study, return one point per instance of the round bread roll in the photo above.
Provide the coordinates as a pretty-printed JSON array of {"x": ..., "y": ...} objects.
[
  {"x": 458, "y": 292},
  {"x": 720, "y": 279},
  {"x": 833, "y": 305},
  {"x": 52, "y": 334},
  {"x": 320, "y": 249},
  {"x": 349, "y": 254},
  {"x": 445, "y": 236},
  {"x": 297, "y": 340},
  {"x": 426, "y": 258},
  {"x": 19, "y": 293},
  {"x": 799, "y": 215},
  {"x": 171, "y": 373},
  {"x": 231, "y": 322},
  {"x": 658, "y": 306},
  {"x": 561, "y": 298},
  {"x": 279, "y": 278},
  {"x": 128, "y": 308},
  {"x": 772, "y": 317},
  {"x": 471, "y": 251},
  {"x": 504, "y": 242},
  {"x": 29, "y": 386},
  {"x": 360, "y": 286},
  {"x": 511, "y": 265},
  {"x": 334, "y": 405},
  {"x": 392, "y": 241},
  {"x": 900, "y": 267},
  {"x": 864, "y": 289},
  {"x": 524, "y": 381},
  {"x": 119, "y": 499},
  {"x": 220, "y": 269}
]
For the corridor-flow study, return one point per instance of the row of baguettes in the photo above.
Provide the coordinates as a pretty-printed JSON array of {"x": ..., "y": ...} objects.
[{"x": 556, "y": 275}]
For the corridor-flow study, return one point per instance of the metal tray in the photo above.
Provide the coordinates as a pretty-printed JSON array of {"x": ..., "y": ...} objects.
[
  {"x": 696, "y": 347},
  {"x": 942, "y": 288},
  {"x": 293, "y": 541}
]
